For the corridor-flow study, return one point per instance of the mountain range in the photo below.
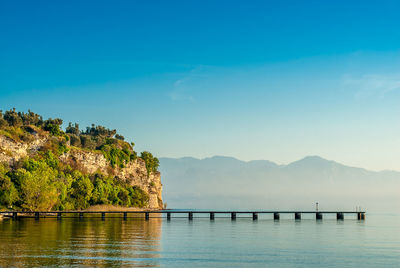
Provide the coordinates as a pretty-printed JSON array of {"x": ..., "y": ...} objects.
[{"x": 222, "y": 182}]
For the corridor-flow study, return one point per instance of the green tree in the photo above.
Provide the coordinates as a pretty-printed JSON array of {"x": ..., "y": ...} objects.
[
  {"x": 53, "y": 126},
  {"x": 74, "y": 140},
  {"x": 87, "y": 142},
  {"x": 3, "y": 123},
  {"x": 37, "y": 186},
  {"x": 81, "y": 190},
  {"x": 123, "y": 196},
  {"x": 63, "y": 185},
  {"x": 116, "y": 156},
  {"x": 100, "y": 131},
  {"x": 119, "y": 137},
  {"x": 31, "y": 118},
  {"x": 12, "y": 118},
  {"x": 103, "y": 189},
  {"x": 138, "y": 197},
  {"x": 8, "y": 192},
  {"x": 73, "y": 129},
  {"x": 152, "y": 162}
]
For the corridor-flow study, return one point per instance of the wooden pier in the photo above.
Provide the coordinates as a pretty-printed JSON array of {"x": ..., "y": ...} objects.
[{"x": 168, "y": 214}]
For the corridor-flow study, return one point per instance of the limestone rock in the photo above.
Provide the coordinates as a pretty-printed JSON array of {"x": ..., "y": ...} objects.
[{"x": 135, "y": 172}]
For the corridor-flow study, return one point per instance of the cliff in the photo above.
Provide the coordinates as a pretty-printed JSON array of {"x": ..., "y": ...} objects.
[
  {"x": 134, "y": 173},
  {"x": 93, "y": 162}
]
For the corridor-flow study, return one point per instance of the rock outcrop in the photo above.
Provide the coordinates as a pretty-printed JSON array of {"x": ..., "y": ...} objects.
[
  {"x": 11, "y": 151},
  {"x": 134, "y": 173}
]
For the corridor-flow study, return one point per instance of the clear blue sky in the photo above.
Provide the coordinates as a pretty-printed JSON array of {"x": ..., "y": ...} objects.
[{"x": 274, "y": 80}]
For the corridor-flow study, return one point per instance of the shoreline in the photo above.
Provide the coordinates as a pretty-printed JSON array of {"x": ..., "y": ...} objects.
[{"x": 93, "y": 209}]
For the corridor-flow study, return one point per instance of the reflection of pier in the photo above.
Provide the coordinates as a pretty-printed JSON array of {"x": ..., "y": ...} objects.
[{"x": 171, "y": 213}]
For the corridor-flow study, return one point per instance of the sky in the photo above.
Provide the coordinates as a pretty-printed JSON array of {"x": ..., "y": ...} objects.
[{"x": 275, "y": 80}]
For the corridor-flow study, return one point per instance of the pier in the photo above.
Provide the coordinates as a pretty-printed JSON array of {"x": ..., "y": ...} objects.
[{"x": 169, "y": 214}]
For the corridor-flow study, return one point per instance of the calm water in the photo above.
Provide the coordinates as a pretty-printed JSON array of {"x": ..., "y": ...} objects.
[{"x": 221, "y": 243}]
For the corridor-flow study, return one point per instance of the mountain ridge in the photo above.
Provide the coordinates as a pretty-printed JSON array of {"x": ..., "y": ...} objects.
[
  {"x": 304, "y": 159},
  {"x": 227, "y": 182}
]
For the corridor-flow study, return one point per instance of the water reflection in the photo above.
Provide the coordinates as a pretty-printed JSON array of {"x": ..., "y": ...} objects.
[
  {"x": 374, "y": 242},
  {"x": 70, "y": 241}
]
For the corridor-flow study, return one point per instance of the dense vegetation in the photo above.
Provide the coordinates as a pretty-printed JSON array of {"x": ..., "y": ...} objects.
[{"x": 42, "y": 182}]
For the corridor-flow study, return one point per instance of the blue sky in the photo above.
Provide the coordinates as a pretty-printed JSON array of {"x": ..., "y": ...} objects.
[{"x": 274, "y": 80}]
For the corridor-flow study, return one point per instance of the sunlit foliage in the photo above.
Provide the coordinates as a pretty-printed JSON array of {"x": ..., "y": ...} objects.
[
  {"x": 42, "y": 182},
  {"x": 152, "y": 162}
]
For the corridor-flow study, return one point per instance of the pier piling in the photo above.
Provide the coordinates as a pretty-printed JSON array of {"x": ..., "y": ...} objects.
[
  {"x": 103, "y": 216},
  {"x": 58, "y": 215},
  {"x": 125, "y": 216},
  {"x": 147, "y": 216},
  {"x": 233, "y": 216},
  {"x": 212, "y": 216},
  {"x": 276, "y": 216},
  {"x": 169, "y": 216},
  {"x": 339, "y": 216},
  {"x": 255, "y": 216},
  {"x": 190, "y": 216},
  {"x": 36, "y": 215},
  {"x": 81, "y": 215},
  {"x": 318, "y": 216},
  {"x": 297, "y": 216}
]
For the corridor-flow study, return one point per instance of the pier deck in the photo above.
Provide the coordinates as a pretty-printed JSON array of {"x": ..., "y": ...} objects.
[{"x": 190, "y": 213}]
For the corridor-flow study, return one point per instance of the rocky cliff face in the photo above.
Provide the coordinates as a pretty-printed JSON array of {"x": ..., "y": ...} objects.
[
  {"x": 135, "y": 172},
  {"x": 11, "y": 151}
]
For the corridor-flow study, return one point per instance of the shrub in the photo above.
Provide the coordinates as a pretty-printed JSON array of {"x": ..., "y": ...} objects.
[
  {"x": 37, "y": 188},
  {"x": 53, "y": 129},
  {"x": 73, "y": 129},
  {"x": 152, "y": 162},
  {"x": 138, "y": 197},
  {"x": 100, "y": 131},
  {"x": 119, "y": 137},
  {"x": 3, "y": 123},
  {"x": 81, "y": 192},
  {"x": 31, "y": 118},
  {"x": 12, "y": 118},
  {"x": 116, "y": 156},
  {"x": 74, "y": 140},
  {"x": 26, "y": 137},
  {"x": 8, "y": 192},
  {"x": 87, "y": 142}
]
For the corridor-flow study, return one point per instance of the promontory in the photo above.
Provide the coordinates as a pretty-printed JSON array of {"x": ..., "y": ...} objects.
[{"x": 46, "y": 168}]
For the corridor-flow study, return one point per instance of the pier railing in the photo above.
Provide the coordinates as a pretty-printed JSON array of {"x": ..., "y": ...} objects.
[{"x": 170, "y": 213}]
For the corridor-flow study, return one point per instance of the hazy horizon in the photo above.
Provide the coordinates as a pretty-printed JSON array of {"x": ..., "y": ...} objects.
[
  {"x": 229, "y": 183},
  {"x": 278, "y": 163}
]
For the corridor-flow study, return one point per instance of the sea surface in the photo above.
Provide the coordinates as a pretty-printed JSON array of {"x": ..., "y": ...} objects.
[{"x": 179, "y": 242}]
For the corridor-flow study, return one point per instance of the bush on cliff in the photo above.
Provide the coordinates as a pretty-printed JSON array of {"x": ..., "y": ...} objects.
[{"x": 152, "y": 162}]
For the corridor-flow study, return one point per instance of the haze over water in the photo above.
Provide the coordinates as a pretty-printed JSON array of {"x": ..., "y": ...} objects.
[{"x": 374, "y": 242}]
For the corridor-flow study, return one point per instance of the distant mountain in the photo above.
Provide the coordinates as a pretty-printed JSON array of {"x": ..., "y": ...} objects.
[{"x": 226, "y": 182}]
